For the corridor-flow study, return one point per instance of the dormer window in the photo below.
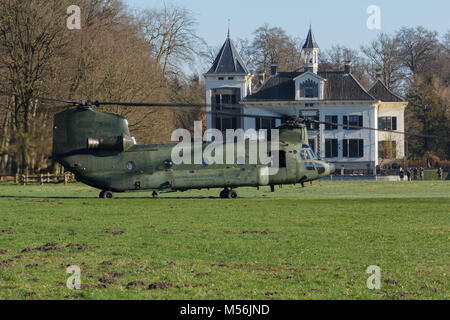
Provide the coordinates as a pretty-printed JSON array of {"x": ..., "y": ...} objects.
[{"x": 309, "y": 89}]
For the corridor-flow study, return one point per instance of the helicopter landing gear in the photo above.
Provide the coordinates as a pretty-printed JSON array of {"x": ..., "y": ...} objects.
[
  {"x": 106, "y": 195},
  {"x": 155, "y": 194},
  {"x": 224, "y": 193},
  {"x": 228, "y": 194}
]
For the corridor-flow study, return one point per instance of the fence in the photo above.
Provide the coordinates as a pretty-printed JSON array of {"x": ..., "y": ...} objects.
[{"x": 65, "y": 178}]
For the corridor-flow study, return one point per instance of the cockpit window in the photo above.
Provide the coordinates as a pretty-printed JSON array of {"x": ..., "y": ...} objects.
[
  {"x": 313, "y": 155},
  {"x": 305, "y": 155}
]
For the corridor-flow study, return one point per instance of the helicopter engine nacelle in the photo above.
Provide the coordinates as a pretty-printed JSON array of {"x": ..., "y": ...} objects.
[{"x": 120, "y": 143}]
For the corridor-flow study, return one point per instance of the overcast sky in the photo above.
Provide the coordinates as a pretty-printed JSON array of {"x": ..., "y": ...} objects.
[{"x": 333, "y": 22}]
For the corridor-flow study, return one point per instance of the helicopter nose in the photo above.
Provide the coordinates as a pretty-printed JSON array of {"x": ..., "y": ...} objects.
[{"x": 332, "y": 168}]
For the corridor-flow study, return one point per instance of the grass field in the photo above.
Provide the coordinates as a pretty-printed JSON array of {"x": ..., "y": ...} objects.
[{"x": 311, "y": 243}]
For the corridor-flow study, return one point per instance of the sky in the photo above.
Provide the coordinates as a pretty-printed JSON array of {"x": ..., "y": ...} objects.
[{"x": 333, "y": 22}]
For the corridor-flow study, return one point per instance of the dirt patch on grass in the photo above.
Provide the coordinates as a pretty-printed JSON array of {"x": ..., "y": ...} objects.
[
  {"x": 108, "y": 280},
  {"x": 7, "y": 263},
  {"x": 94, "y": 286},
  {"x": 3, "y": 251},
  {"x": 78, "y": 246},
  {"x": 160, "y": 286},
  {"x": 73, "y": 233},
  {"x": 32, "y": 265},
  {"x": 34, "y": 280},
  {"x": 135, "y": 284},
  {"x": 390, "y": 281},
  {"x": 203, "y": 274},
  {"x": 115, "y": 233},
  {"x": 30, "y": 294},
  {"x": 51, "y": 246},
  {"x": 117, "y": 274},
  {"x": 106, "y": 263},
  {"x": 256, "y": 232}
]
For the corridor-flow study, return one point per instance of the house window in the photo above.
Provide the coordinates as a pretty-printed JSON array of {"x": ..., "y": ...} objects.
[
  {"x": 230, "y": 78},
  {"x": 224, "y": 101},
  {"x": 353, "y": 148},
  {"x": 309, "y": 89},
  {"x": 387, "y": 149},
  {"x": 387, "y": 123},
  {"x": 220, "y": 78},
  {"x": 352, "y": 122},
  {"x": 332, "y": 122},
  {"x": 331, "y": 148},
  {"x": 264, "y": 123}
]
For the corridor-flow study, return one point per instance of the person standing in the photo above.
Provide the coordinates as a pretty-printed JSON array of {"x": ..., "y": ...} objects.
[
  {"x": 421, "y": 173},
  {"x": 401, "y": 174},
  {"x": 415, "y": 173},
  {"x": 439, "y": 173},
  {"x": 408, "y": 173}
]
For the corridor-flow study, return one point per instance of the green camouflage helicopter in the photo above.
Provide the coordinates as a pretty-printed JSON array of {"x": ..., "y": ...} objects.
[{"x": 98, "y": 149}]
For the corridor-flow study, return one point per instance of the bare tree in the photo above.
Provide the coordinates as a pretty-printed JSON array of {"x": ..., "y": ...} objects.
[
  {"x": 273, "y": 45},
  {"x": 31, "y": 36},
  {"x": 418, "y": 48},
  {"x": 384, "y": 54},
  {"x": 171, "y": 34},
  {"x": 334, "y": 59}
]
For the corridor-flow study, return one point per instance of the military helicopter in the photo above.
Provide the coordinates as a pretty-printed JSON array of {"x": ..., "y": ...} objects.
[{"x": 98, "y": 149}]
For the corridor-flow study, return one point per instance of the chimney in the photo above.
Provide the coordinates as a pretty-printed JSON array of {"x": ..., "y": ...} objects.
[
  {"x": 273, "y": 69},
  {"x": 348, "y": 66},
  {"x": 379, "y": 74}
]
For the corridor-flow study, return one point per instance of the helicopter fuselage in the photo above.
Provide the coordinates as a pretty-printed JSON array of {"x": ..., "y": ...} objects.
[{"x": 97, "y": 148}]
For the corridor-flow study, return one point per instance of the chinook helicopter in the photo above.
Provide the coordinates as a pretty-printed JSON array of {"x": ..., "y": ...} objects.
[{"x": 98, "y": 149}]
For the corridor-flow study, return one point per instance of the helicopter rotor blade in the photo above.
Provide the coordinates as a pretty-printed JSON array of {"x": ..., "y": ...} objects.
[{"x": 180, "y": 106}]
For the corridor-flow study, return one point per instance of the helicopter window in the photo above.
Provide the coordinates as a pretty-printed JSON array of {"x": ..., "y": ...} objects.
[
  {"x": 305, "y": 155},
  {"x": 313, "y": 155},
  {"x": 320, "y": 168},
  {"x": 281, "y": 159}
]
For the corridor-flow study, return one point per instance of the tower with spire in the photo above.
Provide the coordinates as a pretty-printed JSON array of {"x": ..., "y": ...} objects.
[
  {"x": 311, "y": 53},
  {"x": 227, "y": 82}
]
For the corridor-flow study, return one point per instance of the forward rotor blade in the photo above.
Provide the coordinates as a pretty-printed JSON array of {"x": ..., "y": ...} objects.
[
  {"x": 373, "y": 129},
  {"x": 231, "y": 114},
  {"x": 363, "y": 128}
]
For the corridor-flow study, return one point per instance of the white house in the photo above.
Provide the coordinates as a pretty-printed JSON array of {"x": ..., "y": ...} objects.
[{"x": 330, "y": 96}]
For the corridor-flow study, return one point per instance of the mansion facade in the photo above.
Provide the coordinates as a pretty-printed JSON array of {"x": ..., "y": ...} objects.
[{"x": 330, "y": 96}]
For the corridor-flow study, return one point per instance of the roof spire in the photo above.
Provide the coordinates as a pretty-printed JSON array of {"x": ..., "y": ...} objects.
[
  {"x": 228, "y": 36},
  {"x": 310, "y": 42}
]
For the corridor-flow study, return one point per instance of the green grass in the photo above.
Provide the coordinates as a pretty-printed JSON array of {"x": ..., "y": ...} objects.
[{"x": 311, "y": 243}]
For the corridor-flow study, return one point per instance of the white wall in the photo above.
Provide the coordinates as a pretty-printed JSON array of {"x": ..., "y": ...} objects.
[
  {"x": 242, "y": 82},
  {"x": 394, "y": 109}
]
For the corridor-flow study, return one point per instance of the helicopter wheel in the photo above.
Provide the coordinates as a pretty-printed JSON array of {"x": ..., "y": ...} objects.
[
  {"x": 106, "y": 195},
  {"x": 224, "y": 193},
  {"x": 232, "y": 194}
]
